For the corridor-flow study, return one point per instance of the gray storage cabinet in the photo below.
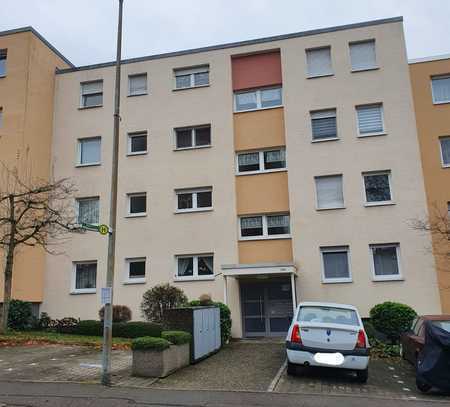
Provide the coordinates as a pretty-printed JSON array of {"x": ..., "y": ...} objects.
[{"x": 203, "y": 323}]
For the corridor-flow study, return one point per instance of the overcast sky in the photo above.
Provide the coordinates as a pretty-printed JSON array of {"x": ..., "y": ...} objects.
[{"x": 85, "y": 30}]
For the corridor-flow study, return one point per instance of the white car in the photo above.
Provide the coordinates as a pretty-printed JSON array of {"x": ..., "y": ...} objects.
[{"x": 328, "y": 335}]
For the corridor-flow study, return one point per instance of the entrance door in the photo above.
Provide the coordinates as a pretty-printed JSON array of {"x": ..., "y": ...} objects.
[{"x": 266, "y": 307}]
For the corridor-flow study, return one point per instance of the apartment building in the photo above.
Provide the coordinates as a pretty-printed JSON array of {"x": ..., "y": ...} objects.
[
  {"x": 27, "y": 75},
  {"x": 263, "y": 173},
  {"x": 430, "y": 81}
]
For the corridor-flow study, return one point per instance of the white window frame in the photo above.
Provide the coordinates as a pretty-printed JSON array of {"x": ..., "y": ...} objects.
[
  {"x": 79, "y": 143},
  {"x": 193, "y": 130},
  {"x": 380, "y": 203},
  {"x": 258, "y": 99},
  {"x": 392, "y": 277},
  {"x": 323, "y": 75},
  {"x": 138, "y": 214},
  {"x": 129, "y": 84},
  {"x": 311, "y": 113},
  {"x": 262, "y": 169},
  {"x": 444, "y": 165},
  {"x": 90, "y": 93},
  {"x": 129, "y": 280},
  {"x": 194, "y": 192},
  {"x": 318, "y": 208},
  {"x": 265, "y": 235},
  {"x": 374, "y": 134},
  {"x": 445, "y": 76},
  {"x": 4, "y": 56},
  {"x": 195, "y": 275},
  {"x": 74, "y": 290},
  {"x": 191, "y": 71},
  {"x": 86, "y": 198},
  {"x": 135, "y": 134},
  {"x": 334, "y": 249},
  {"x": 375, "y": 67}
]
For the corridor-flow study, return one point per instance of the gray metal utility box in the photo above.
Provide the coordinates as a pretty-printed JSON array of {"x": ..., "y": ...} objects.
[{"x": 203, "y": 323}]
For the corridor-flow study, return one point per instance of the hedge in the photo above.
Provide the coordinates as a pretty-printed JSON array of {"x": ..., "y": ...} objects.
[
  {"x": 150, "y": 343},
  {"x": 120, "y": 329},
  {"x": 177, "y": 337}
]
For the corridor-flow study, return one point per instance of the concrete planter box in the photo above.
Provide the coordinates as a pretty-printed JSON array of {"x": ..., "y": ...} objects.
[{"x": 156, "y": 363}]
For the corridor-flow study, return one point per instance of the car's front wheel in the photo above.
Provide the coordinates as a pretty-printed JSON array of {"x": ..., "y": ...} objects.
[
  {"x": 362, "y": 375},
  {"x": 291, "y": 369}
]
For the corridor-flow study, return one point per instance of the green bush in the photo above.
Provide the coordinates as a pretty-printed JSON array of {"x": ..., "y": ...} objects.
[
  {"x": 19, "y": 315},
  {"x": 67, "y": 325},
  {"x": 89, "y": 327},
  {"x": 225, "y": 318},
  {"x": 159, "y": 298},
  {"x": 150, "y": 343},
  {"x": 120, "y": 329},
  {"x": 392, "y": 319},
  {"x": 121, "y": 313},
  {"x": 45, "y": 322},
  {"x": 177, "y": 337}
]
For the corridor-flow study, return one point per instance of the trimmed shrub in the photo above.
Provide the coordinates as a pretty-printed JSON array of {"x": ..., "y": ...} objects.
[
  {"x": 392, "y": 319},
  {"x": 89, "y": 327},
  {"x": 120, "y": 329},
  {"x": 177, "y": 337},
  {"x": 121, "y": 313},
  {"x": 150, "y": 343},
  {"x": 159, "y": 298},
  {"x": 20, "y": 314}
]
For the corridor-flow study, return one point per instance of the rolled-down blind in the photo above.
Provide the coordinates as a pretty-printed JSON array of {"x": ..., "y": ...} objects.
[
  {"x": 319, "y": 61},
  {"x": 362, "y": 55},
  {"x": 138, "y": 84},
  {"x": 92, "y": 87},
  {"x": 329, "y": 192},
  {"x": 370, "y": 119},
  {"x": 323, "y": 124}
]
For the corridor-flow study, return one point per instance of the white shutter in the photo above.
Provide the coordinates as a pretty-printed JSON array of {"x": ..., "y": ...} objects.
[
  {"x": 441, "y": 89},
  {"x": 138, "y": 84},
  {"x": 92, "y": 87},
  {"x": 362, "y": 55},
  {"x": 329, "y": 192},
  {"x": 323, "y": 124},
  {"x": 319, "y": 61},
  {"x": 370, "y": 119}
]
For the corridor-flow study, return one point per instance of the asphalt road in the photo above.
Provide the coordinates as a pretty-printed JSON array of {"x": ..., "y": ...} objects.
[{"x": 23, "y": 394}]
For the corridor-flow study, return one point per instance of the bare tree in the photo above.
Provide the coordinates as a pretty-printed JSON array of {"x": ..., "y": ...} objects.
[{"x": 32, "y": 213}]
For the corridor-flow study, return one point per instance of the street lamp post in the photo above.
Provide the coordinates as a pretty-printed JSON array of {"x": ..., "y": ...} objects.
[{"x": 107, "y": 294}]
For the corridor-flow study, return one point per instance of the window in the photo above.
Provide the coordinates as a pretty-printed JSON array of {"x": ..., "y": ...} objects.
[
  {"x": 319, "y": 62},
  {"x": 3, "y": 53},
  {"x": 377, "y": 186},
  {"x": 88, "y": 210},
  {"x": 191, "y": 78},
  {"x": 89, "y": 151},
  {"x": 362, "y": 55},
  {"x": 192, "y": 137},
  {"x": 84, "y": 278},
  {"x": 261, "y": 161},
  {"x": 335, "y": 264},
  {"x": 327, "y": 315},
  {"x": 199, "y": 267},
  {"x": 194, "y": 199},
  {"x": 385, "y": 261},
  {"x": 137, "y": 84},
  {"x": 137, "y": 204},
  {"x": 135, "y": 270},
  {"x": 264, "y": 227},
  {"x": 440, "y": 87},
  {"x": 323, "y": 125},
  {"x": 258, "y": 99},
  {"x": 329, "y": 192},
  {"x": 370, "y": 120},
  {"x": 445, "y": 150},
  {"x": 137, "y": 143},
  {"x": 92, "y": 94}
]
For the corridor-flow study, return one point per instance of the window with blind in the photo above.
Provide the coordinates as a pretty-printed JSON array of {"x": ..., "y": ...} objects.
[
  {"x": 329, "y": 192},
  {"x": 84, "y": 280},
  {"x": 445, "y": 150},
  {"x": 377, "y": 187},
  {"x": 440, "y": 86},
  {"x": 385, "y": 261},
  {"x": 89, "y": 151},
  {"x": 137, "y": 84},
  {"x": 258, "y": 99},
  {"x": 91, "y": 94},
  {"x": 88, "y": 210},
  {"x": 363, "y": 55},
  {"x": 264, "y": 226},
  {"x": 192, "y": 137},
  {"x": 135, "y": 270},
  {"x": 192, "y": 200},
  {"x": 3, "y": 55},
  {"x": 261, "y": 161},
  {"x": 335, "y": 264},
  {"x": 191, "y": 77},
  {"x": 318, "y": 62},
  {"x": 323, "y": 124},
  {"x": 370, "y": 120},
  {"x": 195, "y": 267}
]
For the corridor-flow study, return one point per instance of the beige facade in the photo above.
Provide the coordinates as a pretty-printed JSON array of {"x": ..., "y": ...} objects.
[{"x": 163, "y": 233}]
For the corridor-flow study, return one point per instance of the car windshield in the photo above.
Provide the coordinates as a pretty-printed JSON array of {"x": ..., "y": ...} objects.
[
  {"x": 329, "y": 315},
  {"x": 445, "y": 325}
]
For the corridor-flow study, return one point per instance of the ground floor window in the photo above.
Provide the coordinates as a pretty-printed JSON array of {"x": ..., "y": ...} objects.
[
  {"x": 385, "y": 261},
  {"x": 335, "y": 264},
  {"x": 84, "y": 278},
  {"x": 135, "y": 270},
  {"x": 191, "y": 267}
]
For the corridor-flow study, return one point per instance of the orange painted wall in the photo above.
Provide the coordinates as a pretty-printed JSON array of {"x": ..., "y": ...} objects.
[
  {"x": 265, "y": 251},
  {"x": 258, "y": 70},
  {"x": 433, "y": 121}
]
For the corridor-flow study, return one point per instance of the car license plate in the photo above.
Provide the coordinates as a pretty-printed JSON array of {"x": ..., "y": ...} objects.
[{"x": 331, "y": 359}]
